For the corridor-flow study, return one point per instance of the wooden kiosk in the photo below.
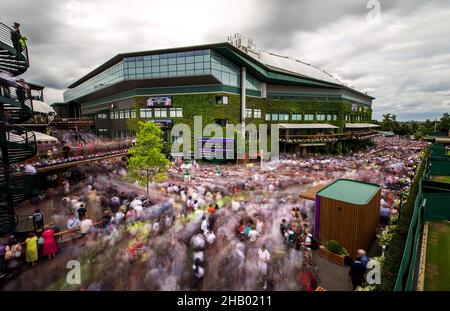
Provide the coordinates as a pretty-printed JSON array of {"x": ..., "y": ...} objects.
[{"x": 348, "y": 211}]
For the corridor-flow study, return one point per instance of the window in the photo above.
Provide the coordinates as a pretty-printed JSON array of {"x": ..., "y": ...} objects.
[
  {"x": 283, "y": 117},
  {"x": 268, "y": 116},
  {"x": 222, "y": 122},
  {"x": 329, "y": 117},
  {"x": 347, "y": 118},
  {"x": 223, "y": 100},
  {"x": 296, "y": 117},
  {"x": 133, "y": 113},
  {"x": 257, "y": 113},
  {"x": 102, "y": 115},
  {"x": 145, "y": 113},
  {"x": 320, "y": 117},
  {"x": 335, "y": 116},
  {"x": 248, "y": 113},
  {"x": 160, "y": 113},
  {"x": 309, "y": 117},
  {"x": 126, "y": 114},
  {"x": 354, "y": 107},
  {"x": 274, "y": 117},
  {"x": 121, "y": 114},
  {"x": 176, "y": 112}
]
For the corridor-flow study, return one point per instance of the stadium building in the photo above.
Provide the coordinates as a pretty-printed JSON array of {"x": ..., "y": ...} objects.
[{"x": 224, "y": 83}]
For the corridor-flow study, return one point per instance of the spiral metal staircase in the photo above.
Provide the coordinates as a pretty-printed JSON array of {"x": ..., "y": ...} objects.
[{"x": 16, "y": 143}]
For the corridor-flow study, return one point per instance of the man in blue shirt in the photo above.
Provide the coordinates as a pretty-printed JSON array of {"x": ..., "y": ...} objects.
[{"x": 385, "y": 214}]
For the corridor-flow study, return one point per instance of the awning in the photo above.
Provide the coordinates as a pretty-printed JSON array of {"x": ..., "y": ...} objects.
[
  {"x": 306, "y": 126},
  {"x": 360, "y": 125},
  {"x": 41, "y": 107},
  {"x": 41, "y": 137}
]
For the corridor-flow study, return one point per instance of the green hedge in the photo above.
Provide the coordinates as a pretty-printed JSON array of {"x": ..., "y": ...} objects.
[{"x": 394, "y": 253}]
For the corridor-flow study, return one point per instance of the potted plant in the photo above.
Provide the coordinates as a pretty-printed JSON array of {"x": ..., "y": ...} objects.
[{"x": 334, "y": 252}]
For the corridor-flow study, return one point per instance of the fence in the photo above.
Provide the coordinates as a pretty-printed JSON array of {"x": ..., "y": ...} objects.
[{"x": 432, "y": 204}]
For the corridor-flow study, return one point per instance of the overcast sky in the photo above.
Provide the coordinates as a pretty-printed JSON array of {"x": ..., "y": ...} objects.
[{"x": 401, "y": 57}]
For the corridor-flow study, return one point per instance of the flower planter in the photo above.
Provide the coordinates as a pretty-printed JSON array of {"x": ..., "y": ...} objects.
[{"x": 337, "y": 259}]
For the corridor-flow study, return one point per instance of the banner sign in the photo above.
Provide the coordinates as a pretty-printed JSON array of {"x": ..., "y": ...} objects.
[{"x": 159, "y": 101}]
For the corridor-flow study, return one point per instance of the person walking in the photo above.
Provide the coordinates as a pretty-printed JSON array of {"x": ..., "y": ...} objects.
[
  {"x": 50, "y": 247},
  {"x": 31, "y": 254},
  {"x": 263, "y": 264}
]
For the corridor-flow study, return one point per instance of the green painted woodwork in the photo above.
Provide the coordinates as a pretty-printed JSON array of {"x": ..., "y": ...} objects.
[{"x": 351, "y": 191}]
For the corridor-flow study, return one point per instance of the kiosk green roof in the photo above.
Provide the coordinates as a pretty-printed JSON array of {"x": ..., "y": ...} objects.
[{"x": 350, "y": 191}]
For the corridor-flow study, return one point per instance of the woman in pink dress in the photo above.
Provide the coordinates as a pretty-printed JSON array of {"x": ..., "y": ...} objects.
[{"x": 50, "y": 247}]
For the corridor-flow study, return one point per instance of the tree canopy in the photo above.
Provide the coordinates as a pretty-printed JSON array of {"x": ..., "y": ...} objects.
[{"x": 148, "y": 163}]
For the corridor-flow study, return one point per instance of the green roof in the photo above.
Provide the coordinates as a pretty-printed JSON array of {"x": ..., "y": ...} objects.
[{"x": 350, "y": 191}]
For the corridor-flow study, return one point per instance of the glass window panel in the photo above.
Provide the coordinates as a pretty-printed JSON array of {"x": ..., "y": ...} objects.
[
  {"x": 172, "y": 73},
  {"x": 139, "y": 70},
  {"x": 181, "y": 73},
  {"x": 172, "y": 61},
  {"x": 206, "y": 58},
  {"x": 198, "y": 66},
  {"x": 198, "y": 52},
  {"x": 268, "y": 117},
  {"x": 190, "y": 53},
  {"x": 189, "y": 59},
  {"x": 155, "y": 75},
  {"x": 199, "y": 58},
  {"x": 189, "y": 66},
  {"x": 163, "y": 61},
  {"x": 181, "y": 54},
  {"x": 181, "y": 60},
  {"x": 190, "y": 72},
  {"x": 181, "y": 67},
  {"x": 172, "y": 68},
  {"x": 163, "y": 68},
  {"x": 199, "y": 72}
]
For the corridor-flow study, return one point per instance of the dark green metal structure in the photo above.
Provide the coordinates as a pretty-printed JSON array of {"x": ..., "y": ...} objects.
[{"x": 16, "y": 143}]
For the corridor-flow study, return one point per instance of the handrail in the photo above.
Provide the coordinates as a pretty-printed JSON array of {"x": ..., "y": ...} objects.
[
  {"x": 16, "y": 93},
  {"x": 332, "y": 136},
  {"x": 6, "y": 34},
  {"x": 17, "y": 134},
  {"x": 61, "y": 234}
]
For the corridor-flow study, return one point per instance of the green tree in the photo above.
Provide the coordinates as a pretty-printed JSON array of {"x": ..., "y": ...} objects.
[
  {"x": 147, "y": 163},
  {"x": 444, "y": 123},
  {"x": 389, "y": 122}
]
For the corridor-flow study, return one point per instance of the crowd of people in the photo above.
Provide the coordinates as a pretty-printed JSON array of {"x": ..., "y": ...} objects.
[{"x": 228, "y": 227}]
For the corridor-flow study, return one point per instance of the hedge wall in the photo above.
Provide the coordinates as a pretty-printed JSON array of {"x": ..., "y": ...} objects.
[{"x": 394, "y": 253}]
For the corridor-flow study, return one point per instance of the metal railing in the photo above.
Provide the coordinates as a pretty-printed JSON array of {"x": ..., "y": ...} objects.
[{"x": 12, "y": 39}]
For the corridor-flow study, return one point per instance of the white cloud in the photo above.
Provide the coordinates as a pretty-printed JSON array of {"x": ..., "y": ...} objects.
[{"x": 404, "y": 61}]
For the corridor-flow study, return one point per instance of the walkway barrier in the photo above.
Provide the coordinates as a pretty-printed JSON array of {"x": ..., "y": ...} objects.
[{"x": 429, "y": 206}]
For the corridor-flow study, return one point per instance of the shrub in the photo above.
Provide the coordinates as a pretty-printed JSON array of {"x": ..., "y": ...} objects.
[{"x": 333, "y": 246}]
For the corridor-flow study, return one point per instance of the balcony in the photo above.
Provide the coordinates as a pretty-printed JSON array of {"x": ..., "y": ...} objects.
[{"x": 13, "y": 51}]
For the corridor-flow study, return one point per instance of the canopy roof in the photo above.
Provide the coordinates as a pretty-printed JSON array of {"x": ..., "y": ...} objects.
[
  {"x": 360, "y": 125},
  {"x": 306, "y": 126},
  {"x": 41, "y": 137},
  {"x": 42, "y": 107}
]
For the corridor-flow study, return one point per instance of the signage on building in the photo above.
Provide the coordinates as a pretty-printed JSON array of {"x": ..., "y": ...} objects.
[
  {"x": 164, "y": 124},
  {"x": 159, "y": 101},
  {"x": 354, "y": 107}
]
